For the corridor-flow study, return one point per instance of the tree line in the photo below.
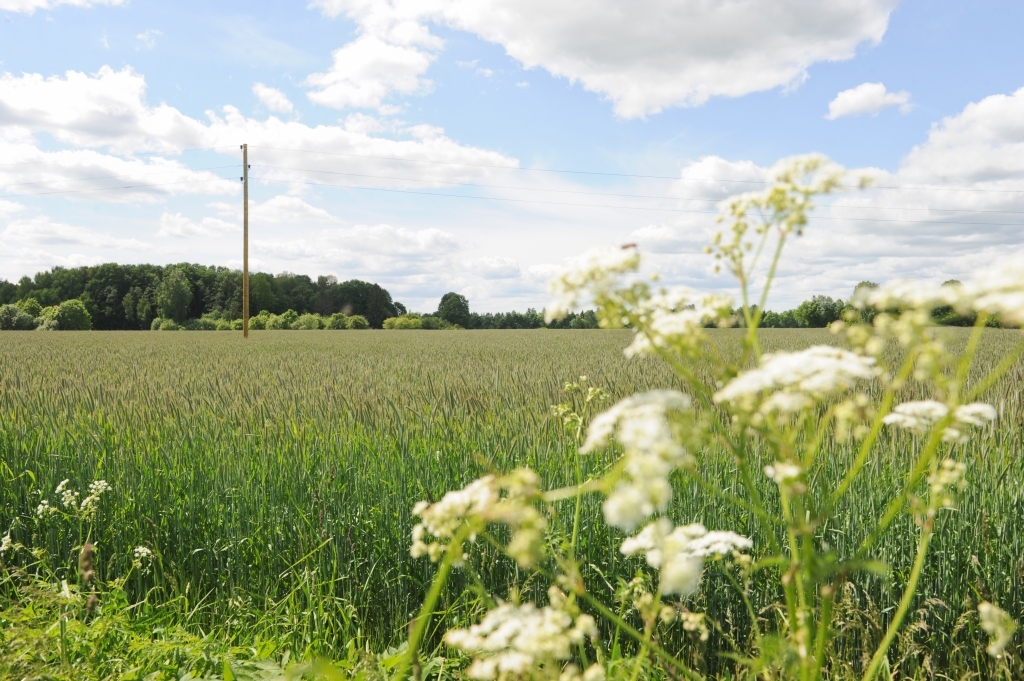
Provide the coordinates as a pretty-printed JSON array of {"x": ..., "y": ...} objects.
[{"x": 191, "y": 296}]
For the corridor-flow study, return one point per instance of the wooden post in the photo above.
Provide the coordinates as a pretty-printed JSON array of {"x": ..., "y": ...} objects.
[{"x": 245, "y": 240}]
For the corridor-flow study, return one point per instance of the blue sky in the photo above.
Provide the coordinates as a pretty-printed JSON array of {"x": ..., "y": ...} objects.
[{"x": 102, "y": 94}]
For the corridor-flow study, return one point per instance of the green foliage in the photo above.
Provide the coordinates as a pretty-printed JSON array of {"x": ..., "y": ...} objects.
[
  {"x": 308, "y": 322},
  {"x": 454, "y": 309},
  {"x": 174, "y": 295},
  {"x": 13, "y": 318},
  {"x": 31, "y": 307},
  {"x": 406, "y": 321},
  {"x": 282, "y": 321},
  {"x": 337, "y": 321},
  {"x": 819, "y": 312},
  {"x": 72, "y": 315},
  {"x": 202, "y": 324},
  {"x": 358, "y": 321}
]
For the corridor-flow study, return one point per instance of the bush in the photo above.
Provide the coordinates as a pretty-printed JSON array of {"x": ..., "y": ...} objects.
[
  {"x": 308, "y": 322},
  {"x": 225, "y": 325},
  {"x": 358, "y": 321},
  {"x": 406, "y": 321},
  {"x": 13, "y": 318},
  {"x": 161, "y": 324},
  {"x": 337, "y": 321},
  {"x": 436, "y": 323},
  {"x": 236, "y": 324},
  {"x": 31, "y": 307},
  {"x": 72, "y": 316},
  {"x": 48, "y": 312},
  {"x": 283, "y": 321},
  {"x": 48, "y": 325},
  {"x": 257, "y": 323},
  {"x": 202, "y": 324}
]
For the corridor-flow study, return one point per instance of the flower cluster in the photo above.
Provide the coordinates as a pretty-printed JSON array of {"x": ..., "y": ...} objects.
[
  {"x": 641, "y": 425},
  {"x": 997, "y": 291},
  {"x": 999, "y": 626},
  {"x": 920, "y": 417},
  {"x": 947, "y": 479},
  {"x": 675, "y": 318},
  {"x": 678, "y": 553},
  {"x": 69, "y": 499},
  {"x": 790, "y": 382},
  {"x": 142, "y": 558},
  {"x": 594, "y": 276},
  {"x": 524, "y": 640},
  {"x": 478, "y": 504},
  {"x": 5, "y": 544}
]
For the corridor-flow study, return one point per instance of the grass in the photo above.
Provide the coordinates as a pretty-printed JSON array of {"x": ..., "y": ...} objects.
[{"x": 274, "y": 479}]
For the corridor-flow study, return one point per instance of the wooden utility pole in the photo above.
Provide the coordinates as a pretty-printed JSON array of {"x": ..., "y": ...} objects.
[{"x": 245, "y": 240}]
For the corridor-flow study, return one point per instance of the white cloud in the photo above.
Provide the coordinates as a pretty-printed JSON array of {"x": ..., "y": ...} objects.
[
  {"x": 288, "y": 210},
  {"x": 495, "y": 268},
  {"x": 10, "y": 208},
  {"x": 649, "y": 55},
  {"x": 30, "y": 6},
  {"x": 147, "y": 39},
  {"x": 272, "y": 98},
  {"x": 108, "y": 111},
  {"x": 367, "y": 70},
  {"x": 42, "y": 230},
  {"x": 866, "y": 98},
  {"x": 177, "y": 225}
]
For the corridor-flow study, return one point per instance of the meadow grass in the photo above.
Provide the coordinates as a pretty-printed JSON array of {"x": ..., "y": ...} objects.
[{"x": 274, "y": 478}]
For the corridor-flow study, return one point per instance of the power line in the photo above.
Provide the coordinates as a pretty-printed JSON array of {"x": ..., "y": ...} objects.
[
  {"x": 585, "y": 193},
  {"x": 114, "y": 177},
  {"x": 103, "y": 189},
  {"x": 647, "y": 208},
  {"x": 121, "y": 156},
  {"x": 591, "y": 172}
]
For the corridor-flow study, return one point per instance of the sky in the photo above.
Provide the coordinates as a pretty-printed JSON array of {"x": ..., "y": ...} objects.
[{"x": 478, "y": 146}]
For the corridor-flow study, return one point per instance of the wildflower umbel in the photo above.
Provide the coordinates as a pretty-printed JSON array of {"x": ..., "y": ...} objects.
[
  {"x": 999, "y": 626},
  {"x": 593, "y": 276},
  {"x": 679, "y": 553},
  {"x": 515, "y": 641},
  {"x": 641, "y": 425},
  {"x": 790, "y": 382},
  {"x": 476, "y": 505},
  {"x": 920, "y": 417}
]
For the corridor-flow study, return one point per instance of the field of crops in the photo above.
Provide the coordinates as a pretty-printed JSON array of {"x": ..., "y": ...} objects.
[{"x": 274, "y": 478}]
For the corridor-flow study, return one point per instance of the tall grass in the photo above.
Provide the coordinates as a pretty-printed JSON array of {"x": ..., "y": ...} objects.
[{"x": 274, "y": 478}]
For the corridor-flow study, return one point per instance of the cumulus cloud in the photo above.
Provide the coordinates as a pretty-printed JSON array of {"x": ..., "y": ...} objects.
[
  {"x": 272, "y": 98},
  {"x": 42, "y": 230},
  {"x": 367, "y": 70},
  {"x": 147, "y": 39},
  {"x": 30, "y": 6},
  {"x": 107, "y": 112},
  {"x": 643, "y": 57},
  {"x": 288, "y": 210},
  {"x": 866, "y": 98},
  {"x": 177, "y": 225},
  {"x": 495, "y": 268}
]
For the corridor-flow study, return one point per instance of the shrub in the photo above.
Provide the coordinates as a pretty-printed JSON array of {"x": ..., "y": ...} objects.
[
  {"x": 161, "y": 324},
  {"x": 13, "y": 318},
  {"x": 48, "y": 325},
  {"x": 358, "y": 321},
  {"x": 258, "y": 323},
  {"x": 337, "y": 321},
  {"x": 31, "y": 307},
  {"x": 72, "y": 316},
  {"x": 48, "y": 312},
  {"x": 283, "y": 321},
  {"x": 202, "y": 324},
  {"x": 308, "y": 322},
  {"x": 431, "y": 322},
  {"x": 225, "y": 325},
  {"x": 236, "y": 324},
  {"x": 406, "y": 321}
]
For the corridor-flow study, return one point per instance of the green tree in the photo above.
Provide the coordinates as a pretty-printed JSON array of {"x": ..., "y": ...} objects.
[
  {"x": 174, "y": 295},
  {"x": 819, "y": 312},
  {"x": 454, "y": 309},
  {"x": 72, "y": 315},
  {"x": 13, "y": 318},
  {"x": 31, "y": 307}
]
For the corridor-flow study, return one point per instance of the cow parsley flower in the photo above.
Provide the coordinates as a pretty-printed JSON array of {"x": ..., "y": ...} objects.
[
  {"x": 999, "y": 291},
  {"x": 594, "y": 275},
  {"x": 999, "y": 626},
  {"x": 789, "y": 382},
  {"x": 91, "y": 503},
  {"x": 906, "y": 293},
  {"x": 675, "y": 317},
  {"x": 921, "y": 416},
  {"x": 5, "y": 544},
  {"x": 142, "y": 558},
  {"x": 640, "y": 424},
  {"x": 45, "y": 510},
  {"x": 522, "y": 640},
  {"x": 478, "y": 504},
  {"x": 678, "y": 553}
]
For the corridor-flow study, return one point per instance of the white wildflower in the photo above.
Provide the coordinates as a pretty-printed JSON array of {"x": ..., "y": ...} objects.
[
  {"x": 789, "y": 382},
  {"x": 5, "y": 544},
  {"x": 999, "y": 626},
  {"x": 921, "y": 416},
  {"x": 675, "y": 317},
  {"x": 942, "y": 483},
  {"x": 44, "y": 510},
  {"x": 593, "y": 275},
  {"x": 783, "y": 473},
  {"x": 91, "y": 503},
  {"x": 695, "y": 622},
  {"x": 905, "y": 293},
  {"x": 640, "y": 424},
  {"x": 679, "y": 553},
  {"x": 480, "y": 503},
  {"x": 142, "y": 558},
  {"x": 999, "y": 291},
  {"x": 68, "y": 497},
  {"x": 522, "y": 640}
]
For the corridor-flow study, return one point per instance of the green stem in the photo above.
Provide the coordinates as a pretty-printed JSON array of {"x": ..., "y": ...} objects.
[{"x": 908, "y": 597}]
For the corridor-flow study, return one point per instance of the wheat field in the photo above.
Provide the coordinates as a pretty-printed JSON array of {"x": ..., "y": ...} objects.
[{"x": 274, "y": 478}]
